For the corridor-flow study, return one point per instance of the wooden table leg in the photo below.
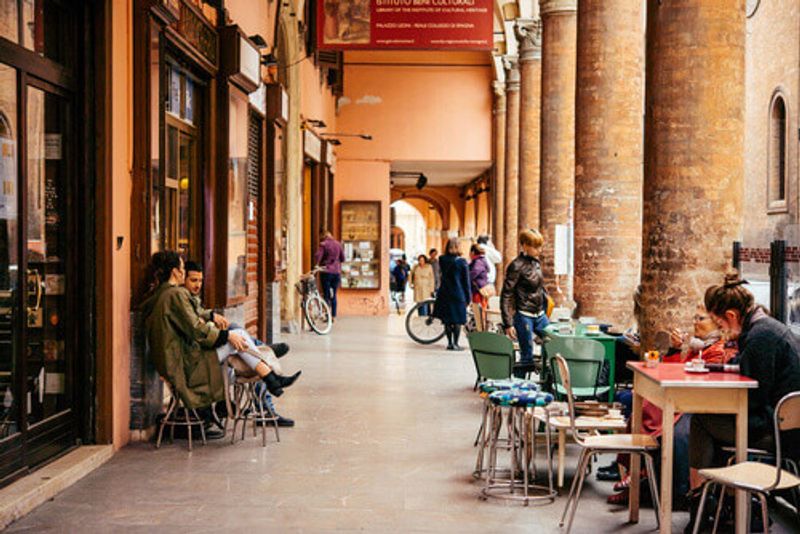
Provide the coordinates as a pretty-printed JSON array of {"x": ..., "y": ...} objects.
[
  {"x": 636, "y": 428},
  {"x": 562, "y": 447},
  {"x": 741, "y": 456},
  {"x": 667, "y": 435}
]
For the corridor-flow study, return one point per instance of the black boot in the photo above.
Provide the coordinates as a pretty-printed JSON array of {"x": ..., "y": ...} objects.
[
  {"x": 456, "y": 335},
  {"x": 448, "y": 330},
  {"x": 280, "y": 349},
  {"x": 273, "y": 384},
  {"x": 286, "y": 381}
]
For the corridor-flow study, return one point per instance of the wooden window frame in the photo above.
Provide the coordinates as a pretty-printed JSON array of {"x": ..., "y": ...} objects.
[{"x": 778, "y": 205}]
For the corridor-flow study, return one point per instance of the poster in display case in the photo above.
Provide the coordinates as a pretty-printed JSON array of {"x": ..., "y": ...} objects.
[{"x": 361, "y": 239}]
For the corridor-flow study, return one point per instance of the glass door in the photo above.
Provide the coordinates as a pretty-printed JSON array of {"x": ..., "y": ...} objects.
[{"x": 38, "y": 416}]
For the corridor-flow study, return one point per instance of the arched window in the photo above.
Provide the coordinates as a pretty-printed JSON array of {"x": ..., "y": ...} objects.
[
  {"x": 5, "y": 127},
  {"x": 778, "y": 129}
]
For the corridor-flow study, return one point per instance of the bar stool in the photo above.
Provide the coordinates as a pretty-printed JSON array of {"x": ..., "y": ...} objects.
[
  {"x": 516, "y": 408},
  {"x": 250, "y": 405},
  {"x": 178, "y": 415},
  {"x": 482, "y": 439}
]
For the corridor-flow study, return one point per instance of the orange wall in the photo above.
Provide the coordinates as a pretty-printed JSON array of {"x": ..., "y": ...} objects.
[
  {"x": 365, "y": 180},
  {"x": 416, "y": 112},
  {"x": 121, "y": 161},
  {"x": 317, "y": 100}
]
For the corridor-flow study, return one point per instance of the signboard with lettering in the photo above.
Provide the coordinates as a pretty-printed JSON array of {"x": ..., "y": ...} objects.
[{"x": 404, "y": 24}]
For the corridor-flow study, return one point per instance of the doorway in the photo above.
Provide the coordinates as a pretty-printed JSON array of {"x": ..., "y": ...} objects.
[{"x": 39, "y": 385}]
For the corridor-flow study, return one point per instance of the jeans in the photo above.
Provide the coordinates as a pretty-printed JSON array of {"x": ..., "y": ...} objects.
[
  {"x": 422, "y": 311},
  {"x": 330, "y": 285},
  {"x": 527, "y": 326}
]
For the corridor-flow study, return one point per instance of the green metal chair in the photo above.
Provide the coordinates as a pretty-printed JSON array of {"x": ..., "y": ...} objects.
[
  {"x": 585, "y": 358},
  {"x": 493, "y": 355}
]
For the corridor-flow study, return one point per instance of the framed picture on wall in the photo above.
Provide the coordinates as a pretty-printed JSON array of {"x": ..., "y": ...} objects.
[{"x": 360, "y": 234}]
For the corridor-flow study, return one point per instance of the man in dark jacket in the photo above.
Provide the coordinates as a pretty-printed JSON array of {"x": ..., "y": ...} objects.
[{"x": 523, "y": 301}]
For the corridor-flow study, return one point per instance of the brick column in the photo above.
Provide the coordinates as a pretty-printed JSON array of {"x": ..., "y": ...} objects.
[
  {"x": 499, "y": 176},
  {"x": 559, "y": 25},
  {"x": 510, "y": 248},
  {"x": 529, "y": 33},
  {"x": 694, "y": 154},
  {"x": 608, "y": 157}
]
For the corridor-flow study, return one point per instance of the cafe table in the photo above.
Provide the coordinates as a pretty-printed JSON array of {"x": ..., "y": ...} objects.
[
  {"x": 670, "y": 387},
  {"x": 580, "y": 333}
]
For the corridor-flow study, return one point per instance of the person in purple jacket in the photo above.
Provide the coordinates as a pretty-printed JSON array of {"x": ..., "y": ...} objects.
[{"x": 330, "y": 255}]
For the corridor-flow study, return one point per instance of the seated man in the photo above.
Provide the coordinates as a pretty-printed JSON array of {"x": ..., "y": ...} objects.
[
  {"x": 194, "y": 283},
  {"x": 186, "y": 349}
]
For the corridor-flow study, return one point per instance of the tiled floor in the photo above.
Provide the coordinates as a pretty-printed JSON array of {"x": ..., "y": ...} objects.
[{"x": 383, "y": 443}]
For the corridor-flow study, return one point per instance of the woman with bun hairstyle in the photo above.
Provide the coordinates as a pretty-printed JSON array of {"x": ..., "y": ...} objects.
[{"x": 768, "y": 352}]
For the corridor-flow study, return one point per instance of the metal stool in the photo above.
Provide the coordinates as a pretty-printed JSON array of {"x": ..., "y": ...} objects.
[
  {"x": 249, "y": 405},
  {"x": 482, "y": 438},
  {"x": 516, "y": 408},
  {"x": 178, "y": 415}
]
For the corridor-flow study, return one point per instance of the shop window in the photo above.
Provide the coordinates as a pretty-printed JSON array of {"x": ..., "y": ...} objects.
[
  {"x": 56, "y": 42},
  {"x": 237, "y": 195},
  {"x": 778, "y": 129},
  {"x": 9, "y": 21}
]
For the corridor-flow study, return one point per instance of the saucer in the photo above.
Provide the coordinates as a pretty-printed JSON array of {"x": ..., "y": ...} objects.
[{"x": 698, "y": 371}]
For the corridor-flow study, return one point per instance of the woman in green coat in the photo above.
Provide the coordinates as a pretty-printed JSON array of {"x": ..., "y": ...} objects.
[{"x": 187, "y": 349}]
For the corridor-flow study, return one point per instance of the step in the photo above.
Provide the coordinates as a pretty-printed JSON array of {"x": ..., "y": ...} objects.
[{"x": 22, "y": 496}]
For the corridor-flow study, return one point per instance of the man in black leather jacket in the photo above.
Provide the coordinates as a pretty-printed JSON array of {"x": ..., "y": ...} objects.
[{"x": 523, "y": 300}]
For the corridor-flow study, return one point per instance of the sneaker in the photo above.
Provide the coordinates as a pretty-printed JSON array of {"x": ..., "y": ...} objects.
[{"x": 609, "y": 473}]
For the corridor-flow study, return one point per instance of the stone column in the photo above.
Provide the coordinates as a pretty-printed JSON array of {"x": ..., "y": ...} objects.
[
  {"x": 499, "y": 177},
  {"x": 510, "y": 248},
  {"x": 694, "y": 154},
  {"x": 529, "y": 33},
  {"x": 559, "y": 25},
  {"x": 608, "y": 157}
]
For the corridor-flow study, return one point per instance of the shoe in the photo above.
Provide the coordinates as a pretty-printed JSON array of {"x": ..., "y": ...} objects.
[
  {"x": 280, "y": 349},
  {"x": 457, "y": 347},
  {"x": 211, "y": 433},
  {"x": 450, "y": 346},
  {"x": 282, "y": 422},
  {"x": 286, "y": 381},
  {"x": 609, "y": 473}
]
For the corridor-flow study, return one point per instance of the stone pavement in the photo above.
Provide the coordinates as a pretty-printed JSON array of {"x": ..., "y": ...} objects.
[{"x": 383, "y": 442}]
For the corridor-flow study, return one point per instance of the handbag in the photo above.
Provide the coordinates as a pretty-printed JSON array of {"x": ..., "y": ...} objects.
[{"x": 487, "y": 291}]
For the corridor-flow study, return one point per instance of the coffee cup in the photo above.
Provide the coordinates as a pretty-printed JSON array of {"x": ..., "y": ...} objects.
[
  {"x": 615, "y": 413},
  {"x": 698, "y": 364}
]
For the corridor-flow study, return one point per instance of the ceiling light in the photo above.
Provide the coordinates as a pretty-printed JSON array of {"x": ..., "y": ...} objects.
[{"x": 421, "y": 181}]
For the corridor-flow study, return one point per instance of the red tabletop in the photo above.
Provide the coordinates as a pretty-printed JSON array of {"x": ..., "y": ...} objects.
[{"x": 674, "y": 375}]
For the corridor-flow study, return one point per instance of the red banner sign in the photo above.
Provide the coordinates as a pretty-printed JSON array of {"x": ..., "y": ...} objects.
[{"x": 404, "y": 24}]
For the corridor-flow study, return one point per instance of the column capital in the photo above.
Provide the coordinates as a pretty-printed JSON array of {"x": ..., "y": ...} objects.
[
  {"x": 549, "y": 7},
  {"x": 511, "y": 64},
  {"x": 529, "y": 35},
  {"x": 499, "y": 88}
]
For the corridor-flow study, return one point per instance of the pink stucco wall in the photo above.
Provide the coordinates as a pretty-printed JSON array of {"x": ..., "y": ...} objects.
[{"x": 416, "y": 111}]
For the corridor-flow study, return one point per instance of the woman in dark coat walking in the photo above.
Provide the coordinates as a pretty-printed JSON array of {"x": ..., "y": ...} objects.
[{"x": 454, "y": 293}]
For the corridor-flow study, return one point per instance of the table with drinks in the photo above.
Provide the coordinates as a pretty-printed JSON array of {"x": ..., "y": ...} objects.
[{"x": 686, "y": 388}]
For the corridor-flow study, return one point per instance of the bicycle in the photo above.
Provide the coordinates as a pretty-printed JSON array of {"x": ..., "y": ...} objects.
[
  {"x": 316, "y": 311},
  {"x": 424, "y": 328}
]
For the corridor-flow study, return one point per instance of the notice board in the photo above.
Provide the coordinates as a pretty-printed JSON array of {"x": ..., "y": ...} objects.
[
  {"x": 404, "y": 24},
  {"x": 360, "y": 232}
]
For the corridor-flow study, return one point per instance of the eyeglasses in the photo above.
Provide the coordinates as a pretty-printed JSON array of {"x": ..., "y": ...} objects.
[{"x": 700, "y": 318}]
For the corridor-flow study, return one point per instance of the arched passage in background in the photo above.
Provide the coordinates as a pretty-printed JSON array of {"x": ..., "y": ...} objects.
[{"x": 412, "y": 224}]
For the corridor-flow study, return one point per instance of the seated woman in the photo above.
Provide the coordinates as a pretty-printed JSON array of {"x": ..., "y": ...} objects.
[
  {"x": 768, "y": 352},
  {"x": 188, "y": 349},
  {"x": 707, "y": 343}
]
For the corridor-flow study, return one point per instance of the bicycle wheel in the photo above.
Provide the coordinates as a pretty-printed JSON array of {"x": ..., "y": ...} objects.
[
  {"x": 318, "y": 315},
  {"x": 424, "y": 329}
]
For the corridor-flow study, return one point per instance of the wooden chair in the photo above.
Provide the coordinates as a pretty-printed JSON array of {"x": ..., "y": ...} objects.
[
  {"x": 757, "y": 477},
  {"x": 641, "y": 444}
]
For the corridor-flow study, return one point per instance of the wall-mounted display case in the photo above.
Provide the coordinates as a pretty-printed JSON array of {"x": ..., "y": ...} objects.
[{"x": 360, "y": 231}]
